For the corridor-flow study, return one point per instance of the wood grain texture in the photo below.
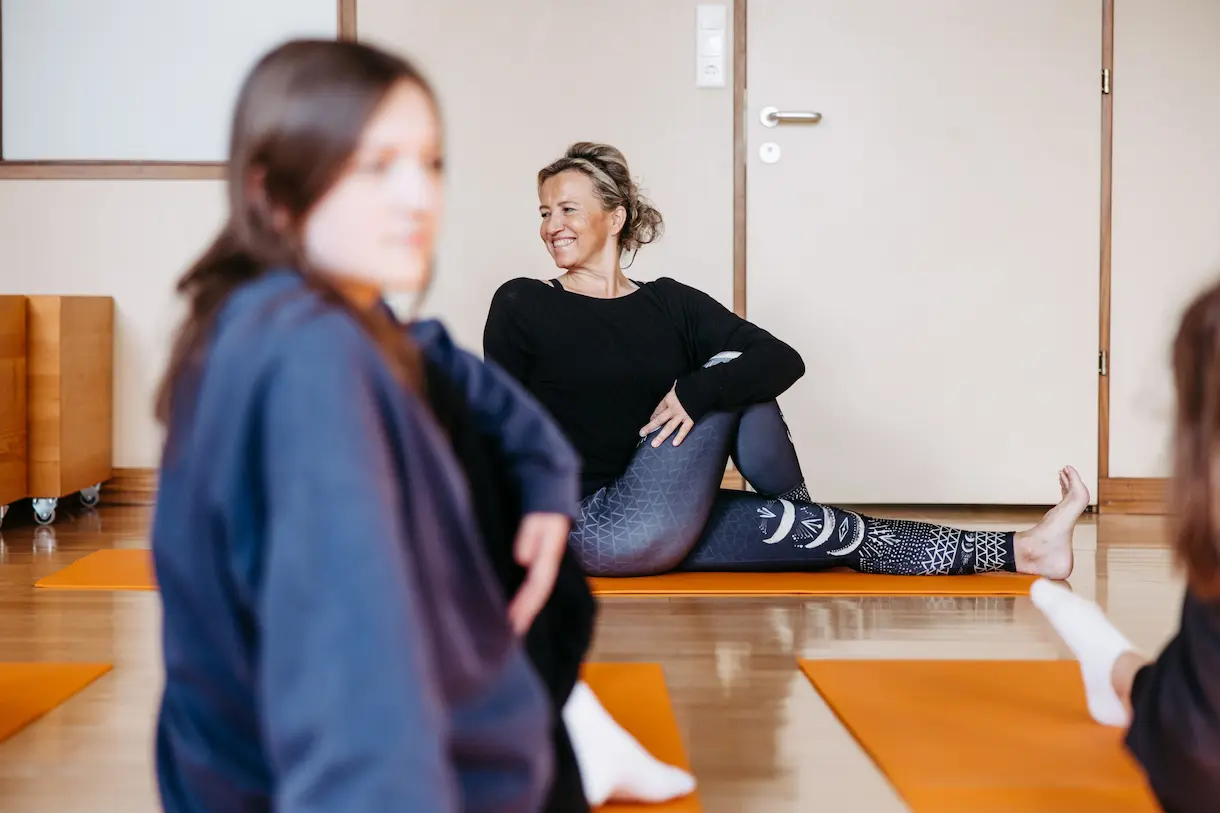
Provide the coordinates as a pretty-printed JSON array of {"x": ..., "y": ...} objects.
[
  {"x": 757, "y": 735},
  {"x": 1107, "y": 208},
  {"x": 111, "y": 171},
  {"x": 13, "y": 400},
  {"x": 71, "y": 393},
  {"x": 1133, "y": 495},
  {"x": 347, "y": 20},
  {"x": 740, "y": 148},
  {"x": 131, "y": 486}
]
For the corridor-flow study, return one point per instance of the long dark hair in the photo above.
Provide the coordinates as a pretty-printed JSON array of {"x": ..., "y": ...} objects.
[
  {"x": 299, "y": 118},
  {"x": 1195, "y": 493}
]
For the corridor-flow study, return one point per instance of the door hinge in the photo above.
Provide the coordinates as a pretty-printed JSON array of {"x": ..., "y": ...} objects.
[
  {"x": 1103, "y": 363},
  {"x": 1105, "y": 81}
]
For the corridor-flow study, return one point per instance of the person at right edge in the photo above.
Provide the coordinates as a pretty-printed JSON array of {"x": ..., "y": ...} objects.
[{"x": 1170, "y": 706}]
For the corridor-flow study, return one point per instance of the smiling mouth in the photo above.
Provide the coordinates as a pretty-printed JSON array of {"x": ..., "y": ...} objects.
[{"x": 563, "y": 242}]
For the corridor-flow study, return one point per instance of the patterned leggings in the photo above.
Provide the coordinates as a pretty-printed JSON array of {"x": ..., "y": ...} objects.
[{"x": 667, "y": 512}]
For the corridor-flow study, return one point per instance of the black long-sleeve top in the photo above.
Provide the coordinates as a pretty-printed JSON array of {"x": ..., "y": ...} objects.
[
  {"x": 601, "y": 366},
  {"x": 1175, "y": 728}
]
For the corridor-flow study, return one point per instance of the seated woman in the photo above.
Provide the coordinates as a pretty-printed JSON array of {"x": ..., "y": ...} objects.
[
  {"x": 657, "y": 385},
  {"x": 1170, "y": 706}
]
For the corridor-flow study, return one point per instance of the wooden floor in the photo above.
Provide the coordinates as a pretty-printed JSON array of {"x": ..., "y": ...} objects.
[{"x": 759, "y": 738}]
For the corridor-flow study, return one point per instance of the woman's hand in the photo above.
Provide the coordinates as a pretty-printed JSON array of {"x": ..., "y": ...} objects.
[
  {"x": 541, "y": 539},
  {"x": 669, "y": 414}
]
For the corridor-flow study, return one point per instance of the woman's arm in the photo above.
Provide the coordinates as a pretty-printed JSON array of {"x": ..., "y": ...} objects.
[
  {"x": 1175, "y": 705},
  {"x": 764, "y": 370},
  {"x": 352, "y": 715}
]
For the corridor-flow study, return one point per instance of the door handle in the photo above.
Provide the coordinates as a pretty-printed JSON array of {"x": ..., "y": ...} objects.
[{"x": 773, "y": 116}]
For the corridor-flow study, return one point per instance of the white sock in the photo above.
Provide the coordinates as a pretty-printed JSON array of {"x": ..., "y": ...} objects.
[
  {"x": 613, "y": 766},
  {"x": 1096, "y": 643}
]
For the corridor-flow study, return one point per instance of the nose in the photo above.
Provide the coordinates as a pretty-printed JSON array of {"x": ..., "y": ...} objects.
[{"x": 554, "y": 224}]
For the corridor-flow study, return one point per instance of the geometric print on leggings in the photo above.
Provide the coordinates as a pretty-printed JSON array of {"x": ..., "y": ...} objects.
[
  {"x": 647, "y": 520},
  {"x": 921, "y": 548},
  {"x": 667, "y": 512},
  {"x": 746, "y": 531}
]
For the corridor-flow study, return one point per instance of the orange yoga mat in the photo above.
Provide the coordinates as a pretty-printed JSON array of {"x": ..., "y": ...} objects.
[
  {"x": 30, "y": 690},
  {"x": 832, "y": 583},
  {"x": 131, "y": 569},
  {"x": 635, "y": 696},
  {"x": 996, "y": 736},
  {"x": 118, "y": 569}
]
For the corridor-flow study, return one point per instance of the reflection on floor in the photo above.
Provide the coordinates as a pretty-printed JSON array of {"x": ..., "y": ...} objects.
[{"x": 760, "y": 739}]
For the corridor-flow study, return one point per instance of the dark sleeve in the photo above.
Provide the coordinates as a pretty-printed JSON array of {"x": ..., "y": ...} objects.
[
  {"x": 766, "y": 368},
  {"x": 505, "y": 337},
  {"x": 1175, "y": 726},
  {"x": 351, "y": 713},
  {"x": 531, "y": 446}
]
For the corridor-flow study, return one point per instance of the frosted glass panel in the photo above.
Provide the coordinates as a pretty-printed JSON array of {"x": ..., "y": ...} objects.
[{"x": 136, "y": 80}]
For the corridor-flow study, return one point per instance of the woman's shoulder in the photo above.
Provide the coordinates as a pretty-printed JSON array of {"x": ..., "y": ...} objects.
[
  {"x": 678, "y": 293},
  {"x": 279, "y": 324},
  {"x": 518, "y": 290}
]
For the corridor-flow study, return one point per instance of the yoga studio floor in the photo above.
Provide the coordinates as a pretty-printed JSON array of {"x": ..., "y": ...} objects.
[{"x": 758, "y": 736}]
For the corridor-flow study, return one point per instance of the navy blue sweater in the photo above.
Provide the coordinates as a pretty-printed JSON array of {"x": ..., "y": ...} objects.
[{"x": 334, "y": 637}]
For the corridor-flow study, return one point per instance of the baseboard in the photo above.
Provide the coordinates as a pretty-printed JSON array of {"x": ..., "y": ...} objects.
[
  {"x": 139, "y": 486},
  {"x": 133, "y": 486},
  {"x": 1133, "y": 495},
  {"x": 130, "y": 487}
]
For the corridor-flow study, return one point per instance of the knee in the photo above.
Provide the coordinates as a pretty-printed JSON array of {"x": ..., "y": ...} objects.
[{"x": 640, "y": 546}]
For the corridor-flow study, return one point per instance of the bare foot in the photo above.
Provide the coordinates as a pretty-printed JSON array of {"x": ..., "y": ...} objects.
[{"x": 1046, "y": 549}]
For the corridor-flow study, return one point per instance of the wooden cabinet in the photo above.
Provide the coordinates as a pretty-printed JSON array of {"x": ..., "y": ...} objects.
[
  {"x": 13, "y": 450},
  {"x": 71, "y": 397}
]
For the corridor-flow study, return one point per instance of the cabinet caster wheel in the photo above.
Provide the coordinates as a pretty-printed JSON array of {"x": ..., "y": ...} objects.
[
  {"x": 44, "y": 509},
  {"x": 90, "y": 496}
]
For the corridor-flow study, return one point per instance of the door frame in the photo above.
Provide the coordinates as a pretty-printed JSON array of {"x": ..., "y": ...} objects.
[{"x": 1116, "y": 495}]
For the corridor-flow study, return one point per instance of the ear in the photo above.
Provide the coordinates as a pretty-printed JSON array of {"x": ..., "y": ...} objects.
[{"x": 617, "y": 219}]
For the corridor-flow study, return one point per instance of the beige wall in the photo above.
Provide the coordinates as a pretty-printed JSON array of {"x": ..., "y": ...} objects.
[
  {"x": 519, "y": 81},
  {"x": 126, "y": 239}
]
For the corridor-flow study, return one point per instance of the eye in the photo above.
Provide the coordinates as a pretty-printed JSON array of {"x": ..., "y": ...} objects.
[
  {"x": 545, "y": 215},
  {"x": 375, "y": 164},
  {"x": 569, "y": 209}
]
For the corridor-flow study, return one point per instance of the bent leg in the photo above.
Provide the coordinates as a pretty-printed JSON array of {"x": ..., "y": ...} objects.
[
  {"x": 749, "y": 532},
  {"x": 648, "y": 520},
  {"x": 765, "y": 456}
]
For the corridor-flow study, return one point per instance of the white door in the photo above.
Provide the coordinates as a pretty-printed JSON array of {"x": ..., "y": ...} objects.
[
  {"x": 931, "y": 245},
  {"x": 1166, "y": 217}
]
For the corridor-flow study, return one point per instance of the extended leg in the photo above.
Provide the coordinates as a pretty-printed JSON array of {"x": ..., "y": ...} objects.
[{"x": 752, "y": 532}]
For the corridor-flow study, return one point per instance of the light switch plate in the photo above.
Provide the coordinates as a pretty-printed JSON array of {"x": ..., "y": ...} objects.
[
  {"x": 713, "y": 16},
  {"x": 711, "y": 45}
]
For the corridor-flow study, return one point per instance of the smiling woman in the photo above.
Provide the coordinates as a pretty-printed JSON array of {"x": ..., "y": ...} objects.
[{"x": 616, "y": 361}]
